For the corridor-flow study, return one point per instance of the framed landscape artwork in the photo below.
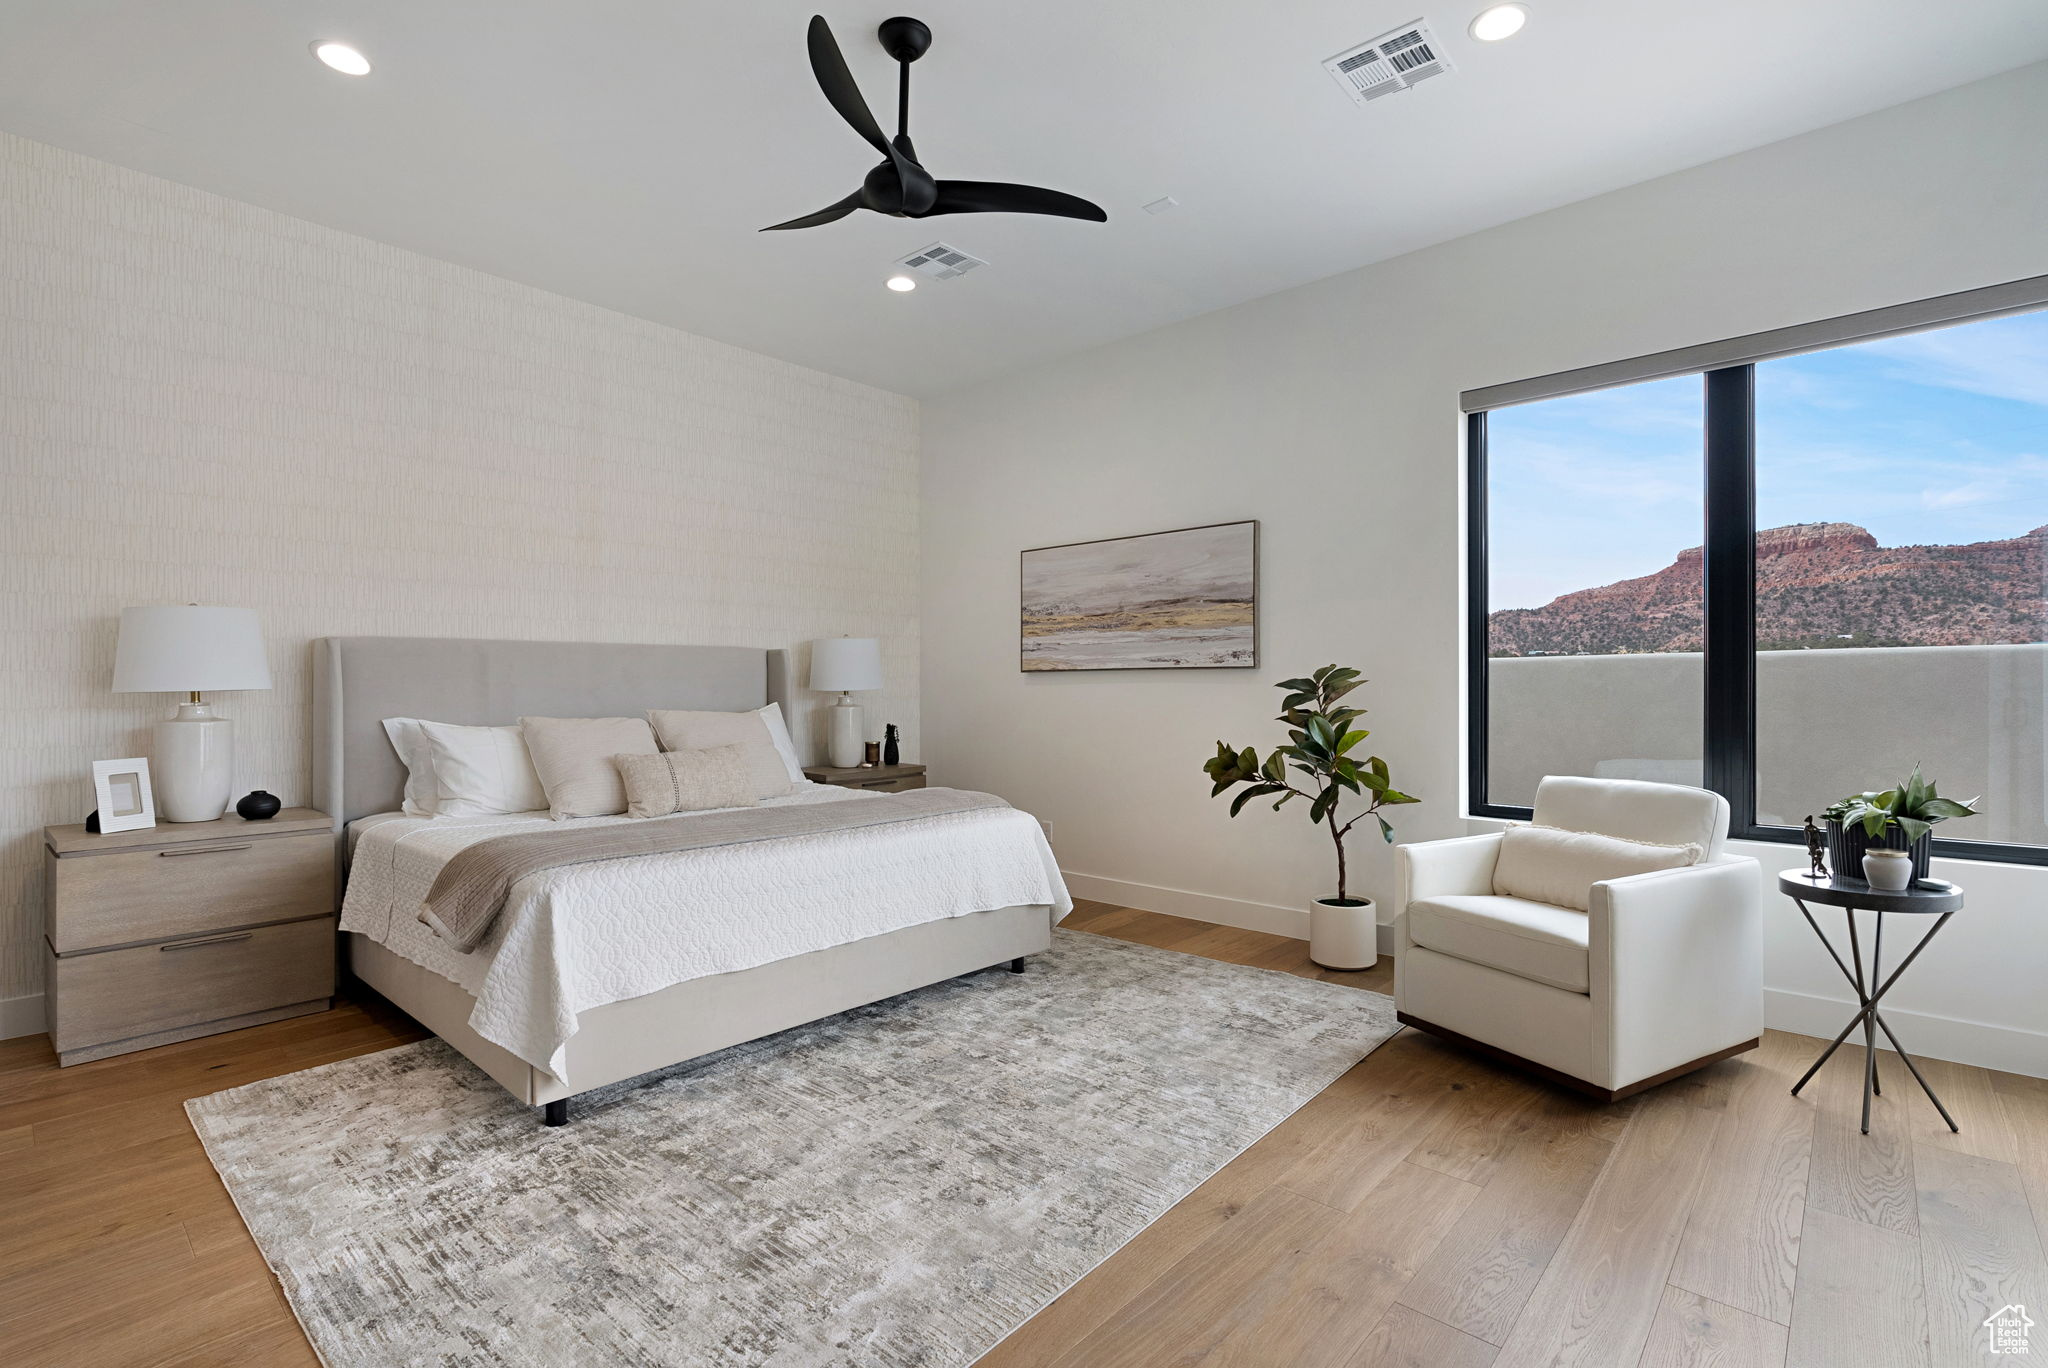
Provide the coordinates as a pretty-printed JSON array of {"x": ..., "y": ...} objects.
[{"x": 1183, "y": 600}]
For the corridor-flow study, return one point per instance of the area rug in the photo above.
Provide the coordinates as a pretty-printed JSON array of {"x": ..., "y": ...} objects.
[{"x": 899, "y": 1185}]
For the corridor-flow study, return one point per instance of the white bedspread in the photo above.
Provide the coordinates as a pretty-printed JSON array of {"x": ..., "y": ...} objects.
[{"x": 581, "y": 936}]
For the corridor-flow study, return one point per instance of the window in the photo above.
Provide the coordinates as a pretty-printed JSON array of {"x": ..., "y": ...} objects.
[
  {"x": 1593, "y": 560},
  {"x": 1788, "y": 577}
]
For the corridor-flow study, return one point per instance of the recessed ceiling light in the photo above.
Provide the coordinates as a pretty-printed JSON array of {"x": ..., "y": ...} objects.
[
  {"x": 1499, "y": 21},
  {"x": 902, "y": 284},
  {"x": 342, "y": 57}
]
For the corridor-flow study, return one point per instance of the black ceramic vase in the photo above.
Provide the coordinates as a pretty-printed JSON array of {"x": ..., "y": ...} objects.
[
  {"x": 1847, "y": 844},
  {"x": 891, "y": 753},
  {"x": 258, "y": 806}
]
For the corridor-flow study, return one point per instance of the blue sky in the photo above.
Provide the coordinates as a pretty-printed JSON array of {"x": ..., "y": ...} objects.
[{"x": 1935, "y": 437}]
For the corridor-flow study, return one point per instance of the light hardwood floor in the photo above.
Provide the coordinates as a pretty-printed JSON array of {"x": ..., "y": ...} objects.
[{"x": 1427, "y": 1210}]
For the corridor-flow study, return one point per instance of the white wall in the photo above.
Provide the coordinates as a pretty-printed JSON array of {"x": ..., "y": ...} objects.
[
  {"x": 204, "y": 401},
  {"x": 1330, "y": 413}
]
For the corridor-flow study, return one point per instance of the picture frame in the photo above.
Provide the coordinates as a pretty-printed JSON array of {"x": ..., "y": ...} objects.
[
  {"x": 1182, "y": 599},
  {"x": 121, "y": 788}
]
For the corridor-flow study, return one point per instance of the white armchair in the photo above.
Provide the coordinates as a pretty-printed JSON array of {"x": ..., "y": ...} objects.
[{"x": 1661, "y": 975}]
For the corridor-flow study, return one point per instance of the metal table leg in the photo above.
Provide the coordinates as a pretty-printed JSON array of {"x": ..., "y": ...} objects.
[{"x": 1868, "y": 995}]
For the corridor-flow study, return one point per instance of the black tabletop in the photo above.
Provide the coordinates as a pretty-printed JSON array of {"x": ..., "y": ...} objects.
[{"x": 1926, "y": 895}]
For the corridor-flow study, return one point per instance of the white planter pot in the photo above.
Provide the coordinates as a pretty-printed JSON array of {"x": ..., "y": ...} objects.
[
  {"x": 1888, "y": 871},
  {"x": 1342, "y": 937}
]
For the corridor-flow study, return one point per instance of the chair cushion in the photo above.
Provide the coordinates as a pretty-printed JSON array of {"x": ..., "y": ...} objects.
[
  {"x": 1531, "y": 940},
  {"x": 1544, "y": 864}
]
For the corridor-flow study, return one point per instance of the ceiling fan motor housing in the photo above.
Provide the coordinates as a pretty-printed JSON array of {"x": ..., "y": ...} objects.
[{"x": 904, "y": 39}]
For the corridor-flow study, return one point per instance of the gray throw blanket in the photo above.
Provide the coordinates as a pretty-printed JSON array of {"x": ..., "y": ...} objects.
[{"x": 471, "y": 889}]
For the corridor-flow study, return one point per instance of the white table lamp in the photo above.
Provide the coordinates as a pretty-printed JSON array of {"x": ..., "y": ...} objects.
[
  {"x": 191, "y": 650},
  {"x": 841, "y": 665}
]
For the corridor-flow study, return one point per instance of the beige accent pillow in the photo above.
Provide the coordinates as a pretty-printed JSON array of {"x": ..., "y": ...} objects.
[
  {"x": 573, "y": 757},
  {"x": 1559, "y": 867},
  {"x": 686, "y": 731},
  {"x": 686, "y": 781}
]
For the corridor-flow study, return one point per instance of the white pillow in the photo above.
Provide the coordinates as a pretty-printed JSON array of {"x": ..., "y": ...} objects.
[
  {"x": 573, "y": 757},
  {"x": 1559, "y": 867},
  {"x": 754, "y": 732},
  {"x": 422, "y": 795},
  {"x": 481, "y": 770},
  {"x": 778, "y": 732}
]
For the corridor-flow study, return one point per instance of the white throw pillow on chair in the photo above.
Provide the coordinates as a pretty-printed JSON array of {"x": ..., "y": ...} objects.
[{"x": 1559, "y": 867}]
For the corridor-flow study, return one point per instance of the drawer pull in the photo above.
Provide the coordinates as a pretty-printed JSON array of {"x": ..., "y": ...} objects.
[
  {"x": 206, "y": 850},
  {"x": 210, "y": 940}
]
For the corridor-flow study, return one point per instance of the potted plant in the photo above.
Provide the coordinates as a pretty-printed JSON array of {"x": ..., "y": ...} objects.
[
  {"x": 1899, "y": 819},
  {"x": 1343, "y": 931}
]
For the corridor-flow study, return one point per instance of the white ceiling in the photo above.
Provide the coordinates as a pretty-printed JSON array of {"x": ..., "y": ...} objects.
[{"x": 624, "y": 151}]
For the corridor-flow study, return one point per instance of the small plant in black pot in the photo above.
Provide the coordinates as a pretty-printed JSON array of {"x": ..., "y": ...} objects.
[
  {"x": 1324, "y": 768},
  {"x": 1900, "y": 819}
]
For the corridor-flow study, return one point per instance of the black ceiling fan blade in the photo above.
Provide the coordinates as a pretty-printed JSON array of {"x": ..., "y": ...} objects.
[
  {"x": 829, "y": 214},
  {"x": 1000, "y": 197},
  {"x": 829, "y": 66}
]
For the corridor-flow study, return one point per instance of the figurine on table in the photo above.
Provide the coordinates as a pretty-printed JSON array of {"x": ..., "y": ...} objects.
[{"x": 1816, "y": 848}]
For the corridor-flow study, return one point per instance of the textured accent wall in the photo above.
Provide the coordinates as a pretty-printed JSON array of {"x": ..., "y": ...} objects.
[{"x": 202, "y": 401}]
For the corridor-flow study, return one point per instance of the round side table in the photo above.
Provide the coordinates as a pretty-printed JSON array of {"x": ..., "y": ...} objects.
[{"x": 1926, "y": 897}]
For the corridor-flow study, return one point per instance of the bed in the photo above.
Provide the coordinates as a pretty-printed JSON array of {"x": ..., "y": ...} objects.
[{"x": 861, "y": 953}]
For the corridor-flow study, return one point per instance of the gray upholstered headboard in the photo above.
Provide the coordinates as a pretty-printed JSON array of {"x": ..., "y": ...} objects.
[{"x": 360, "y": 681}]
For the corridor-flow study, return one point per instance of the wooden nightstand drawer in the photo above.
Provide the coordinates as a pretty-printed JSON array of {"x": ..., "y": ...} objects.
[
  {"x": 915, "y": 781},
  {"x": 130, "y": 896},
  {"x": 115, "y": 995},
  {"x": 873, "y": 778}
]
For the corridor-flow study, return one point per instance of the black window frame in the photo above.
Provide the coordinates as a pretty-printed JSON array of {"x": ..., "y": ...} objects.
[{"x": 1728, "y": 474}]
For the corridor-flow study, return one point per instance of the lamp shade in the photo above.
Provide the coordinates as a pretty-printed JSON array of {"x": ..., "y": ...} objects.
[
  {"x": 840, "y": 663},
  {"x": 179, "y": 648}
]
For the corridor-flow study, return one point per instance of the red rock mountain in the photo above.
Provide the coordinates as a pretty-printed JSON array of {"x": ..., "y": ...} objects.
[{"x": 1817, "y": 585}]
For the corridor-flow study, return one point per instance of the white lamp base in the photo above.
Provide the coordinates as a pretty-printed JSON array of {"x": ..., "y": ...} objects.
[
  {"x": 193, "y": 765},
  {"x": 845, "y": 748}
]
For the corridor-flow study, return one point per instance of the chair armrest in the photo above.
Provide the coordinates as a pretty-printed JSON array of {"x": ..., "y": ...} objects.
[
  {"x": 1678, "y": 956},
  {"x": 1443, "y": 869}
]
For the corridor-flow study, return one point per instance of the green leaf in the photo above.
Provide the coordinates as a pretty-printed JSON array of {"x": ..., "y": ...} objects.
[
  {"x": 1397, "y": 797},
  {"x": 1255, "y": 791},
  {"x": 1914, "y": 828},
  {"x": 1386, "y": 830},
  {"x": 1942, "y": 809},
  {"x": 1283, "y": 799},
  {"x": 1321, "y": 807},
  {"x": 1350, "y": 739},
  {"x": 1275, "y": 768},
  {"x": 1300, "y": 686}
]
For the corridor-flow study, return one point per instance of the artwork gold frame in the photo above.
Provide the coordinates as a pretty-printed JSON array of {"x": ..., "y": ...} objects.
[{"x": 1184, "y": 599}]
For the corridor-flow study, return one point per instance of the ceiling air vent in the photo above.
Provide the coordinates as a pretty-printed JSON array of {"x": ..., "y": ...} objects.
[
  {"x": 1390, "y": 63},
  {"x": 940, "y": 262}
]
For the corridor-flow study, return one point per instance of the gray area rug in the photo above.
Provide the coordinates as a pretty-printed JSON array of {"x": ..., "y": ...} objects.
[{"x": 899, "y": 1185}]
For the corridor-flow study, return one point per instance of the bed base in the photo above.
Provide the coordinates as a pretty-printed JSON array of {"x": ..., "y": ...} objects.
[{"x": 625, "y": 1039}]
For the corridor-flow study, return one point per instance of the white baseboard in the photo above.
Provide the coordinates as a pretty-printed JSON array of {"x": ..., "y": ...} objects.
[
  {"x": 1180, "y": 902},
  {"x": 22, "y": 1016},
  {"x": 1983, "y": 1043}
]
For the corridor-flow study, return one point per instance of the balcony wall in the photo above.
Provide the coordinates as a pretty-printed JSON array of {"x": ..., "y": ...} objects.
[{"x": 1829, "y": 723}]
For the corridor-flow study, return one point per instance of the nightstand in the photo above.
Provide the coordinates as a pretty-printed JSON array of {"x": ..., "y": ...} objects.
[
  {"x": 874, "y": 778},
  {"x": 186, "y": 929}
]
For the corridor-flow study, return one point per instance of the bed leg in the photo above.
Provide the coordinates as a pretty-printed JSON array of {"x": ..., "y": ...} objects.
[
  {"x": 556, "y": 1113},
  {"x": 1017, "y": 965}
]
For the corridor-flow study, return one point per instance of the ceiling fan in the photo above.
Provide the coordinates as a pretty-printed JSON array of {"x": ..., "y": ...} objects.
[{"x": 900, "y": 185}]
